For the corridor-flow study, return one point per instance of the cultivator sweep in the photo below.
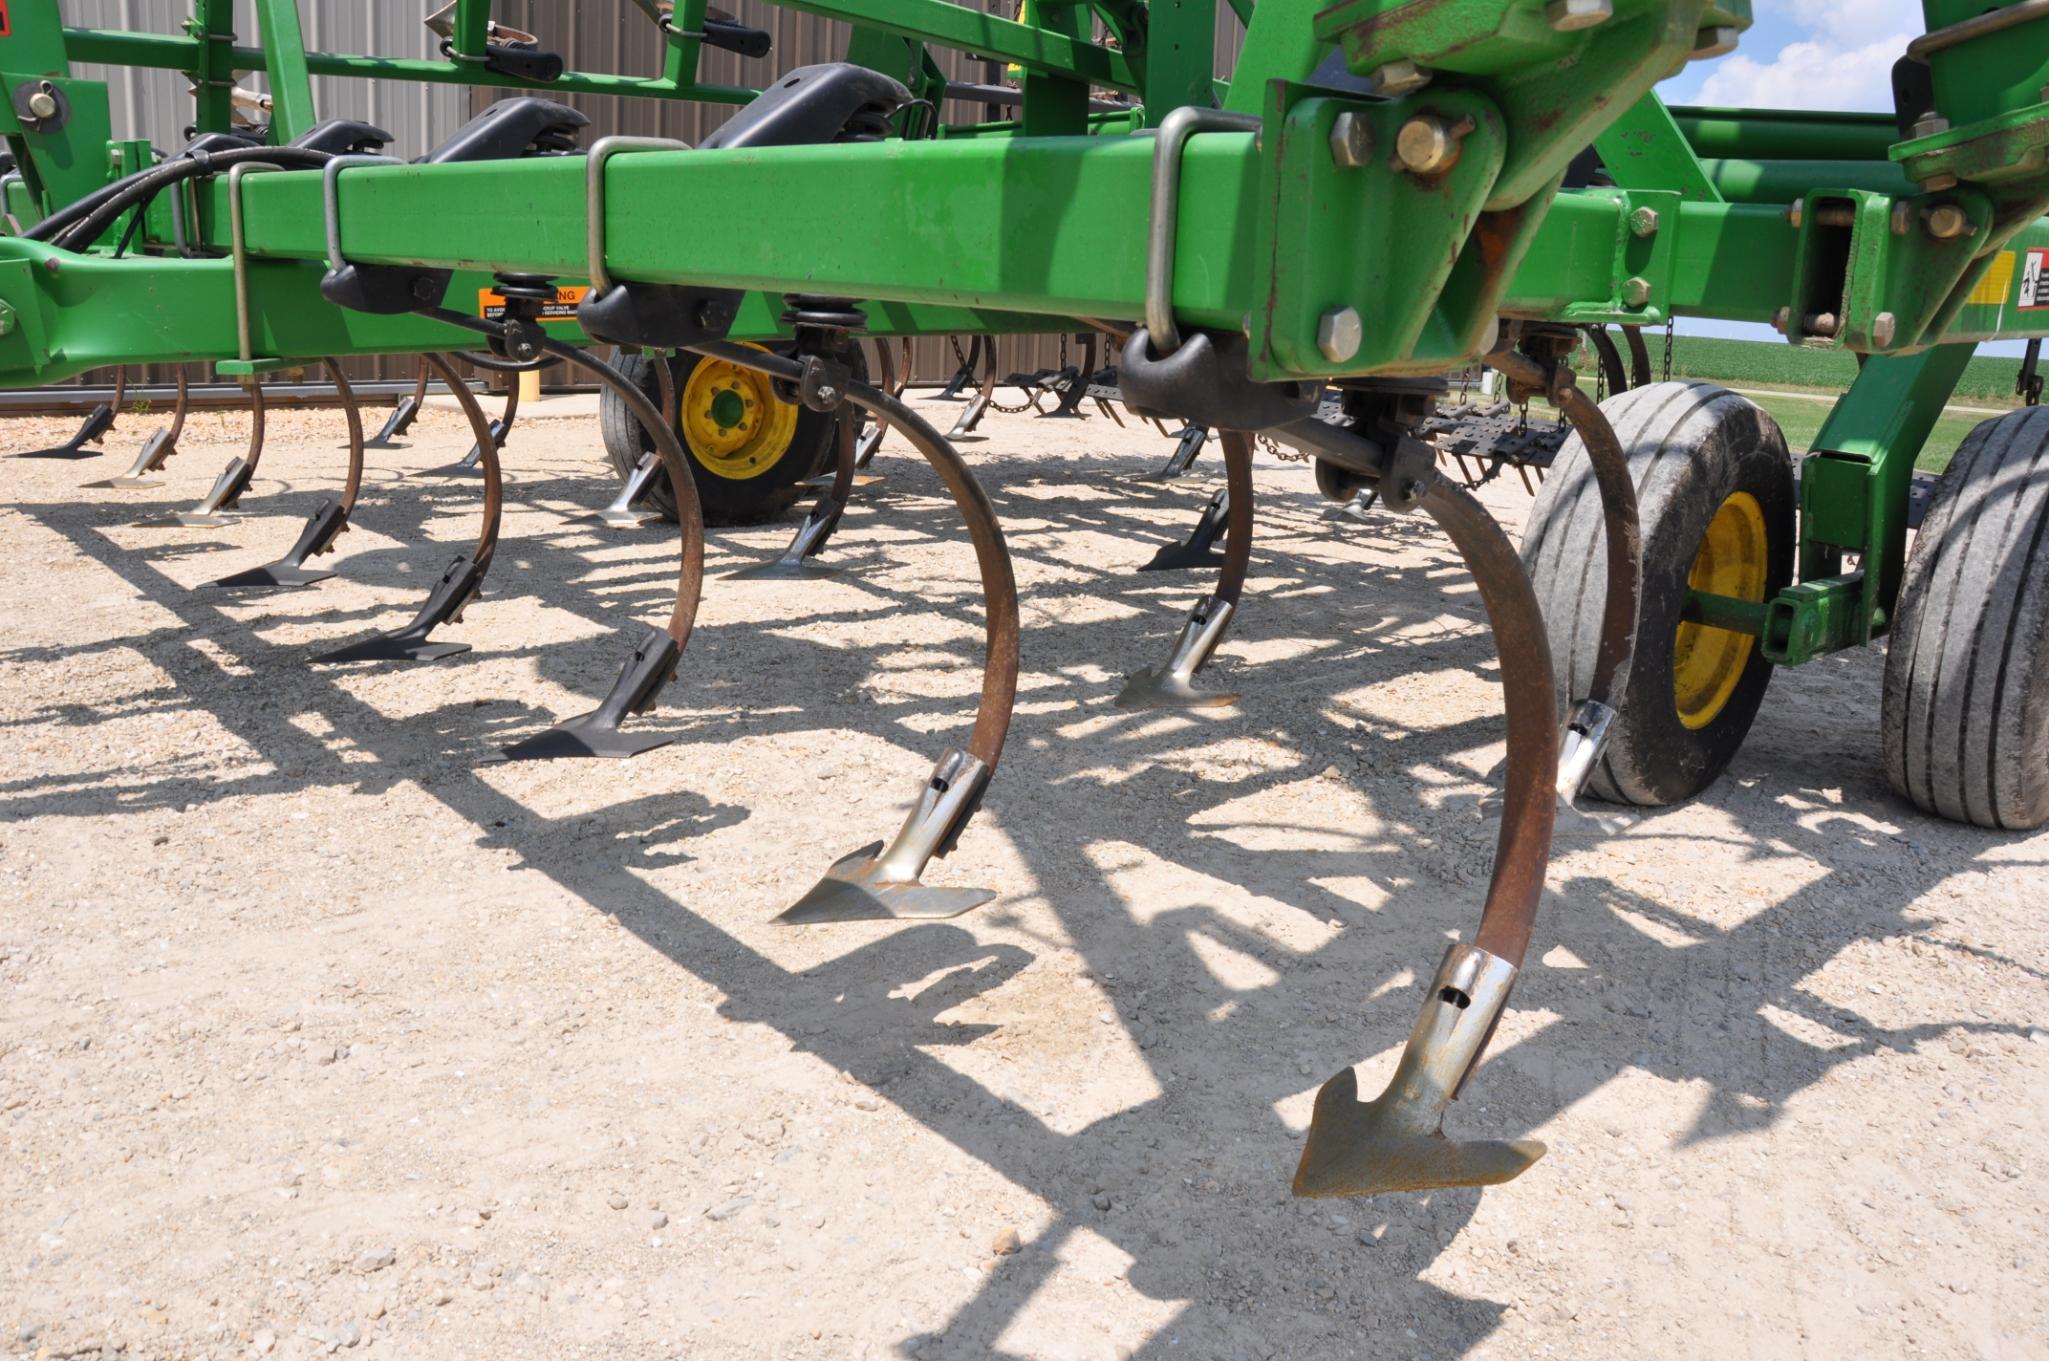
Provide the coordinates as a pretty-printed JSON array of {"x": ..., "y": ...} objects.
[{"x": 1378, "y": 194}]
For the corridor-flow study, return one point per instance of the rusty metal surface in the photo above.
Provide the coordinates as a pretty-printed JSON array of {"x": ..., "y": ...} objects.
[
  {"x": 660, "y": 424},
  {"x": 992, "y": 556},
  {"x": 354, "y": 414},
  {"x": 1523, "y": 850},
  {"x": 494, "y": 487},
  {"x": 1622, "y": 529}
]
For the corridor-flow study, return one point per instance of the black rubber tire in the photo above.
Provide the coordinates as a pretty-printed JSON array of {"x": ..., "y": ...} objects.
[
  {"x": 1690, "y": 447},
  {"x": 726, "y": 501},
  {"x": 1966, "y": 714}
]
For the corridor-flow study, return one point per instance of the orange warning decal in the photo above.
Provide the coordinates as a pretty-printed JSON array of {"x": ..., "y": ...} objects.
[{"x": 491, "y": 305}]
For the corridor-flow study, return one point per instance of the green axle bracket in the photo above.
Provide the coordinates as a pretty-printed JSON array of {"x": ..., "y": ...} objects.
[
  {"x": 1647, "y": 227},
  {"x": 1425, "y": 294},
  {"x": 1854, "y": 490}
]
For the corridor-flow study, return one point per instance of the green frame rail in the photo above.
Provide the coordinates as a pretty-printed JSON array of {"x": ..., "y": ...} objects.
[{"x": 1831, "y": 227}]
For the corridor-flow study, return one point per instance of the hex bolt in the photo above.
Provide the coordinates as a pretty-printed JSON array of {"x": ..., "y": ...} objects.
[
  {"x": 1643, "y": 222},
  {"x": 1902, "y": 220},
  {"x": 1796, "y": 213},
  {"x": 1948, "y": 221},
  {"x": 828, "y": 394},
  {"x": 43, "y": 105},
  {"x": 1399, "y": 77},
  {"x": 1339, "y": 333},
  {"x": 1820, "y": 324},
  {"x": 1415, "y": 489},
  {"x": 1427, "y": 145},
  {"x": 1351, "y": 141},
  {"x": 1636, "y": 291},
  {"x": 1929, "y": 124},
  {"x": 1712, "y": 42},
  {"x": 1781, "y": 319},
  {"x": 1885, "y": 327},
  {"x": 1569, "y": 16}
]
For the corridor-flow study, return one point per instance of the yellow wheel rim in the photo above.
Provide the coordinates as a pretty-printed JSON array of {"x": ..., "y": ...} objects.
[
  {"x": 1733, "y": 560},
  {"x": 734, "y": 423}
]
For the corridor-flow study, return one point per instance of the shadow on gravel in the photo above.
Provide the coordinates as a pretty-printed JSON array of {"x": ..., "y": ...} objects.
[{"x": 1197, "y": 1174}]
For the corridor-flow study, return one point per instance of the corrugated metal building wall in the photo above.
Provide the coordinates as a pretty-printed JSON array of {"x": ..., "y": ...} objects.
[{"x": 597, "y": 35}]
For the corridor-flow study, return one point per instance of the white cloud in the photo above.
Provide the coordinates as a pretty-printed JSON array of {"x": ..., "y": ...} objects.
[
  {"x": 1850, "y": 71},
  {"x": 1848, "y": 21}
]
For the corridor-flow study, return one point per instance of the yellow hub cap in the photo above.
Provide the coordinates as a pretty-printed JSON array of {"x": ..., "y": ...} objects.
[
  {"x": 1734, "y": 559},
  {"x": 733, "y": 421}
]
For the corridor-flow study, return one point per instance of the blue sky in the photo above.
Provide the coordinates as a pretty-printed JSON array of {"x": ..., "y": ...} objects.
[{"x": 1806, "y": 54}]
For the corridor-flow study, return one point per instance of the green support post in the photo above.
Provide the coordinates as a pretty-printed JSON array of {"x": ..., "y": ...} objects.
[
  {"x": 1055, "y": 105},
  {"x": 1644, "y": 149},
  {"x": 1180, "y": 56},
  {"x": 212, "y": 30},
  {"x": 1854, "y": 489},
  {"x": 291, "y": 87}
]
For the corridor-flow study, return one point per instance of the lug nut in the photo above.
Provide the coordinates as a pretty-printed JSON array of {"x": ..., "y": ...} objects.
[
  {"x": 1712, "y": 42},
  {"x": 1947, "y": 221},
  {"x": 1569, "y": 16},
  {"x": 1644, "y": 222},
  {"x": 1399, "y": 77},
  {"x": 1351, "y": 141},
  {"x": 1427, "y": 145},
  {"x": 1339, "y": 333}
]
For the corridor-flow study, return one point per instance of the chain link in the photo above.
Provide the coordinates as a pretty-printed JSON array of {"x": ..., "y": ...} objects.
[{"x": 1668, "y": 350}]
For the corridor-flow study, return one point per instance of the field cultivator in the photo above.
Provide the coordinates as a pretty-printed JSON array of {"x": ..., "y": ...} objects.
[{"x": 1376, "y": 195}]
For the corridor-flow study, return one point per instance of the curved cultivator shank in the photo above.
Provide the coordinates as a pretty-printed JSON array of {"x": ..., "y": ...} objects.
[{"x": 1305, "y": 246}]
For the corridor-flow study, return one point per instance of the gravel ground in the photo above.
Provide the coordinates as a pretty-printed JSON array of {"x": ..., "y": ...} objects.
[{"x": 320, "y": 1033}]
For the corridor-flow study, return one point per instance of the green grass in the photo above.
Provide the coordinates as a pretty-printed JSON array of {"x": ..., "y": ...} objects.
[
  {"x": 1757, "y": 363},
  {"x": 1801, "y": 420}
]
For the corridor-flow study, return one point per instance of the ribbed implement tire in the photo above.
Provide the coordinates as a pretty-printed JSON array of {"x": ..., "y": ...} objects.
[
  {"x": 725, "y": 501},
  {"x": 1966, "y": 716},
  {"x": 1690, "y": 446}
]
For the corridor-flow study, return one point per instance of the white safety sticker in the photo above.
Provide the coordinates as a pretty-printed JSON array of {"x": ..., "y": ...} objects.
[{"x": 2035, "y": 280}]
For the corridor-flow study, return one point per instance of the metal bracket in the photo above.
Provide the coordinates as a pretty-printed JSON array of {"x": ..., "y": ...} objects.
[
  {"x": 238, "y": 240},
  {"x": 1175, "y": 130},
  {"x": 330, "y": 201},
  {"x": 795, "y": 561},
  {"x": 621, "y": 512},
  {"x": 878, "y": 883},
  {"x": 1396, "y": 1141},
  {"x": 1579, "y": 751},
  {"x": 601, "y": 152},
  {"x": 1171, "y": 685}
]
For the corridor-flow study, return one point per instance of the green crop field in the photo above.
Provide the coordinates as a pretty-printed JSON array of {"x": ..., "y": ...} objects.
[{"x": 1756, "y": 363}]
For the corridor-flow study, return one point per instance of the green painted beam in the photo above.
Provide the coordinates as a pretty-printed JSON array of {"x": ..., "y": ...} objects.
[{"x": 291, "y": 88}]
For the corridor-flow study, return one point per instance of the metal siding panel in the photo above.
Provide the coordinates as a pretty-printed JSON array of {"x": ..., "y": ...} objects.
[
  {"x": 591, "y": 37},
  {"x": 158, "y": 104}
]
